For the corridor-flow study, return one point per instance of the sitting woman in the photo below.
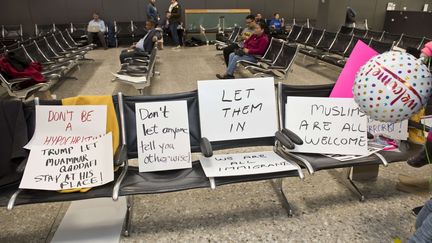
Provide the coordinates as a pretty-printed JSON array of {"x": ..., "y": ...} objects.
[
  {"x": 276, "y": 23},
  {"x": 256, "y": 45}
]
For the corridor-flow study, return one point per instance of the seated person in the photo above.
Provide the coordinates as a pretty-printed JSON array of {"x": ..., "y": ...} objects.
[
  {"x": 276, "y": 23},
  {"x": 145, "y": 45},
  {"x": 96, "y": 27},
  {"x": 245, "y": 34},
  {"x": 259, "y": 18},
  {"x": 255, "y": 45}
]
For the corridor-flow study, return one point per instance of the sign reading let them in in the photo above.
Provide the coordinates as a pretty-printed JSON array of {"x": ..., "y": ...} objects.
[{"x": 237, "y": 109}]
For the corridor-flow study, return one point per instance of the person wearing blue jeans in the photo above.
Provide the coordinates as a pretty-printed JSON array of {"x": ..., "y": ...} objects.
[
  {"x": 423, "y": 225},
  {"x": 174, "y": 21},
  {"x": 255, "y": 45}
]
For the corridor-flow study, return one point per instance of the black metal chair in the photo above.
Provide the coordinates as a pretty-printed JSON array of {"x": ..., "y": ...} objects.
[
  {"x": 317, "y": 162},
  {"x": 281, "y": 67},
  {"x": 123, "y": 32},
  {"x": 139, "y": 30},
  {"x": 376, "y": 35},
  {"x": 390, "y": 38},
  {"x": 346, "y": 30},
  {"x": 380, "y": 46},
  {"x": 294, "y": 32},
  {"x": 10, "y": 34},
  {"x": 337, "y": 52},
  {"x": 360, "y": 32},
  {"x": 304, "y": 35},
  {"x": 407, "y": 41}
]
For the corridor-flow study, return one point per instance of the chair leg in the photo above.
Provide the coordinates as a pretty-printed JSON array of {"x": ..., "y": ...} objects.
[
  {"x": 353, "y": 187},
  {"x": 278, "y": 187},
  {"x": 128, "y": 217}
]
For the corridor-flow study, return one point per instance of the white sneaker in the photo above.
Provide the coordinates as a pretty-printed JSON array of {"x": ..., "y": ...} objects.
[{"x": 177, "y": 47}]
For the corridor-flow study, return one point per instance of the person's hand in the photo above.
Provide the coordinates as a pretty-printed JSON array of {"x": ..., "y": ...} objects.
[{"x": 245, "y": 50}]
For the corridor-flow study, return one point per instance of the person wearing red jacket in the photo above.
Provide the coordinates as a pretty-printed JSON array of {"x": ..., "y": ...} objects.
[{"x": 256, "y": 45}]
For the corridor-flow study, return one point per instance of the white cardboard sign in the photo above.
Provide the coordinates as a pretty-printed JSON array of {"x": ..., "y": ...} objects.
[
  {"x": 394, "y": 130},
  {"x": 237, "y": 109},
  {"x": 163, "y": 136},
  {"x": 244, "y": 164},
  {"x": 80, "y": 165},
  {"x": 327, "y": 125},
  {"x": 64, "y": 125}
]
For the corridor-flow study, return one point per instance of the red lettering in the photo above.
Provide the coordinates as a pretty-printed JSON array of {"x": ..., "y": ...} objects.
[{"x": 86, "y": 116}]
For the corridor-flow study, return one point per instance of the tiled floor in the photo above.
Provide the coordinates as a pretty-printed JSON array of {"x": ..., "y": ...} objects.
[{"x": 324, "y": 209}]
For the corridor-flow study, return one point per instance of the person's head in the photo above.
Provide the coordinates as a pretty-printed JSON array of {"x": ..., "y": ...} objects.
[
  {"x": 258, "y": 16},
  {"x": 250, "y": 21},
  {"x": 150, "y": 24},
  {"x": 95, "y": 16},
  {"x": 260, "y": 28},
  {"x": 276, "y": 16},
  {"x": 173, "y": 1},
  {"x": 152, "y": 1}
]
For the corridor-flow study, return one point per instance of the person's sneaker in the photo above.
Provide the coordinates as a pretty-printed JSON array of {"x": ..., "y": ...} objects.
[
  {"x": 225, "y": 76},
  {"x": 177, "y": 47}
]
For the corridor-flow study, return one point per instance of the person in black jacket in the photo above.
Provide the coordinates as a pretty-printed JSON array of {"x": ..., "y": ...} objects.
[
  {"x": 174, "y": 21},
  {"x": 145, "y": 45}
]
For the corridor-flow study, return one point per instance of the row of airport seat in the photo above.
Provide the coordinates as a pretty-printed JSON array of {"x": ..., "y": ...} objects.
[
  {"x": 335, "y": 47},
  {"x": 129, "y": 181},
  {"x": 58, "y": 53},
  {"x": 124, "y": 32}
]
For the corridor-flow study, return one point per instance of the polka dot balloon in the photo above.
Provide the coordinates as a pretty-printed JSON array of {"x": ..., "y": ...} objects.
[{"x": 392, "y": 87}]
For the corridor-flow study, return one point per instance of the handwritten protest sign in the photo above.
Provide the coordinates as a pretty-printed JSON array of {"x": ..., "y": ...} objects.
[
  {"x": 81, "y": 165},
  {"x": 394, "y": 130},
  {"x": 65, "y": 125},
  {"x": 163, "y": 136},
  {"x": 237, "y": 109},
  {"x": 327, "y": 125},
  {"x": 244, "y": 164}
]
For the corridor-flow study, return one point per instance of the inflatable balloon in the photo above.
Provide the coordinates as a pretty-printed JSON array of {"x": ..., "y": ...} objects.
[{"x": 393, "y": 86}]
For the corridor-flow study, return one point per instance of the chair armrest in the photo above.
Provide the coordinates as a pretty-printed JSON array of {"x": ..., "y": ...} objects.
[
  {"x": 121, "y": 155},
  {"x": 248, "y": 62},
  {"x": 20, "y": 168},
  {"x": 265, "y": 60},
  {"x": 276, "y": 67},
  {"x": 18, "y": 80},
  {"x": 288, "y": 139},
  {"x": 206, "y": 147}
]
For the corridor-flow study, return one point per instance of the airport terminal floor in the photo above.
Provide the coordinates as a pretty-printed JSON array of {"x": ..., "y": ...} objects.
[{"x": 324, "y": 209}]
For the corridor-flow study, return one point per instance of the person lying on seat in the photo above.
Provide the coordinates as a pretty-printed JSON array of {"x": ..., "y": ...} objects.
[
  {"x": 255, "y": 45},
  {"x": 145, "y": 45},
  {"x": 96, "y": 27},
  {"x": 245, "y": 34}
]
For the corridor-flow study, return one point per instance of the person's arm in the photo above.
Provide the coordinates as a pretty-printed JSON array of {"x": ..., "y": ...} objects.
[
  {"x": 148, "y": 12},
  {"x": 102, "y": 26}
]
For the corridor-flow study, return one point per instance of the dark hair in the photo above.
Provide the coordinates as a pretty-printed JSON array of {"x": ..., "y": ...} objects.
[
  {"x": 251, "y": 17},
  {"x": 264, "y": 27},
  {"x": 275, "y": 14}
]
